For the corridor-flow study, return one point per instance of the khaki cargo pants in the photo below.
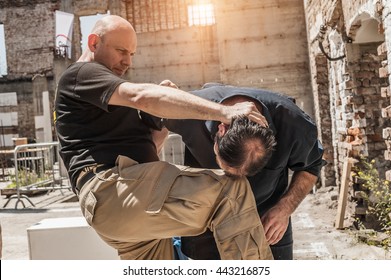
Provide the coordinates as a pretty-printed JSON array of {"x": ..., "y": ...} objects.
[{"x": 138, "y": 208}]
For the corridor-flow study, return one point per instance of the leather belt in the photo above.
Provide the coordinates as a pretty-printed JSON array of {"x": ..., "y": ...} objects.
[{"x": 89, "y": 172}]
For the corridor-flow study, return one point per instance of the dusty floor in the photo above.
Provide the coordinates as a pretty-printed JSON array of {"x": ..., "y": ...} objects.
[
  {"x": 314, "y": 233},
  {"x": 316, "y": 237}
]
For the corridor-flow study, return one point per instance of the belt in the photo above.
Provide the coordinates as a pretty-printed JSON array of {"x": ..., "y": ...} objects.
[{"x": 87, "y": 173}]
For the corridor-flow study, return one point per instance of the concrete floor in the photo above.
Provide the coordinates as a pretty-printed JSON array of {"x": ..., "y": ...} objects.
[
  {"x": 14, "y": 222},
  {"x": 314, "y": 234}
]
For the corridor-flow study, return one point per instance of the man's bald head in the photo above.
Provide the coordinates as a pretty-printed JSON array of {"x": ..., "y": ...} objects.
[
  {"x": 111, "y": 23},
  {"x": 112, "y": 42}
]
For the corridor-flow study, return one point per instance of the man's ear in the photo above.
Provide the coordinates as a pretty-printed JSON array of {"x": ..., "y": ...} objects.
[
  {"x": 222, "y": 129},
  {"x": 215, "y": 148},
  {"x": 93, "y": 40}
]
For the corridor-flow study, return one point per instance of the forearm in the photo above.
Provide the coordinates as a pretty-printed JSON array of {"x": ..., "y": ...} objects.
[
  {"x": 301, "y": 184},
  {"x": 159, "y": 138},
  {"x": 167, "y": 102}
]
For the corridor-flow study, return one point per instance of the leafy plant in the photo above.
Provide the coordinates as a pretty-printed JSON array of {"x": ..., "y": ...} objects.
[
  {"x": 377, "y": 194},
  {"x": 26, "y": 178}
]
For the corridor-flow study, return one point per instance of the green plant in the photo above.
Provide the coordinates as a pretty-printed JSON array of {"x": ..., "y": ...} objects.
[
  {"x": 26, "y": 178},
  {"x": 377, "y": 194}
]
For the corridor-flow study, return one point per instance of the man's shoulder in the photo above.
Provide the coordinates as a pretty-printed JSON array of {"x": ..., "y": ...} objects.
[
  {"x": 87, "y": 66},
  {"x": 83, "y": 71}
]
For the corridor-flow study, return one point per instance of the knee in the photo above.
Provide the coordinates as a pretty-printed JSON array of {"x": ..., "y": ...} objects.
[{"x": 239, "y": 188}]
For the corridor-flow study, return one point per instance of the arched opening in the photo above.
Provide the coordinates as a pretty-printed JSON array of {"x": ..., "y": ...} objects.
[
  {"x": 366, "y": 58},
  {"x": 364, "y": 63}
]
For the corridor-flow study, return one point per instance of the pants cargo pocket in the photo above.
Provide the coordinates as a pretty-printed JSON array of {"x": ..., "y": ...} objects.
[
  {"x": 242, "y": 236},
  {"x": 89, "y": 207},
  {"x": 168, "y": 174},
  {"x": 253, "y": 245}
]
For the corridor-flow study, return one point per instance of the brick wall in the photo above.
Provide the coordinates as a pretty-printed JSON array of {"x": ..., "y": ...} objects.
[
  {"x": 29, "y": 28},
  {"x": 358, "y": 82}
]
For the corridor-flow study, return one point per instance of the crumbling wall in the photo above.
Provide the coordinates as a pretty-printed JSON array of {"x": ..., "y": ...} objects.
[
  {"x": 29, "y": 31},
  {"x": 33, "y": 67},
  {"x": 384, "y": 50},
  {"x": 322, "y": 100},
  {"x": 186, "y": 56},
  {"x": 22, "y": 111},
  {"x": 169, "y": 48},
  {"x": 355, "y": 37},
  {"x": 317, "y": 14},
  {"x": 264, "y": 44},
  {"x": 252, "y": 43}
]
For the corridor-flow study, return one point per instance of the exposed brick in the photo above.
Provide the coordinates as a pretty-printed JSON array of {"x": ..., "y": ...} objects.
[
  {"x": 387, "y": 133},
  {"x": 385, "y": 92},
  {"x": 366, "y": 82},
  {"x": 383, "y": 72},
  {"x": 382, "y": 49},
  {"x": 386, "y": 112},
  {"x": 359, "y": 122},
  {"x": 366, "y": 91},
  {"x": 365, "y": 74},
  {"x": 350, "y": 84},
  {"x": 387, "y": 155}
]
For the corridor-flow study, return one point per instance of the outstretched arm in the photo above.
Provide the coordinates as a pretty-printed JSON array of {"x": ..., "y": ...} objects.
[
  {"x": 275, "y": 221},
  {"x": 172, "y": 103}
]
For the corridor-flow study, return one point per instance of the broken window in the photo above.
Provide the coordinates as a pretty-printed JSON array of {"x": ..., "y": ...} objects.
[
  {"x": 202, "y": 14},
  {"x": 64, "y": 29},
  {"x": 151, "y": 16},
  {"x": 3, "y": 56}
]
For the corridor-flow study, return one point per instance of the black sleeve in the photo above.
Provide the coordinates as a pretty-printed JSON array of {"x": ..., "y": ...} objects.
[
  {"x": 197, "y": 139},
  {"x": 151, "y": 121},
  {"x": 306, "y": 150},
  {"x": 95, "y": 84},
  {"x": 308, "y": 159}
]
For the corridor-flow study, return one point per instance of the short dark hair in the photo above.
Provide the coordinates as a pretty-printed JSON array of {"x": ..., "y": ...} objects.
[{"x": 246, "y": 145}]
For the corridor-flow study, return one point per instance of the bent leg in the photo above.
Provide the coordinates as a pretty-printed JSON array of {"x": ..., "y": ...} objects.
[
  {"x": 145, "y": 250},
  {"x": 236, "y": 225},
  {"x": 137, "y": 208}
]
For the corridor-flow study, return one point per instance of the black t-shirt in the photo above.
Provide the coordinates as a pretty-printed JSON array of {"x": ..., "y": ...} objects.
[
  {"x": 298, "y": 148},
  {"x": 89, "y": 130}
]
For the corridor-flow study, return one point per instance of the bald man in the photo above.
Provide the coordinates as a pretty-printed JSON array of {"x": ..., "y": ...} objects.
[{"x": 133, "y": 201}]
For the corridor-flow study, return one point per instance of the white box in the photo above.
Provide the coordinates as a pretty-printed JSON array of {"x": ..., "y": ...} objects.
[{"x": 67, "y": 239}]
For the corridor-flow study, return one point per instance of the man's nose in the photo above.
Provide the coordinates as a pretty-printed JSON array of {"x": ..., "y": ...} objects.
[{"x": 127, "y": 60}]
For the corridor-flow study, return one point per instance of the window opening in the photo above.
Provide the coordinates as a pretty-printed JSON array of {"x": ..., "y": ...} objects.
[
  {"x": 64, "y": 31},
  {"x": 3, "y": 54},
  {"x": 202, "y": 14},
  {"x": 152, "y": 16}
]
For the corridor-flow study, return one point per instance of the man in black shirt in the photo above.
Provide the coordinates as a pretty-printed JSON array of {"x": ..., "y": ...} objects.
[
  {"x": 297, "y": 150},
  {"x": 133, "y": 201}
]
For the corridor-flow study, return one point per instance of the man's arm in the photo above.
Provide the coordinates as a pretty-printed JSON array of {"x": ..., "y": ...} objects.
[
  {"x": 159, "y": 137},
  {"x": 275, "y": 221},
  {"x": 172, "y": 103}
]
